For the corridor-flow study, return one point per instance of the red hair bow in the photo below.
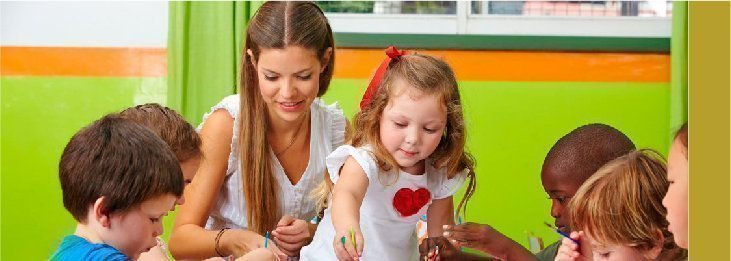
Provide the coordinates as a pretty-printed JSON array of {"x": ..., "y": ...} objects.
[{"x": 392, "y": 53}]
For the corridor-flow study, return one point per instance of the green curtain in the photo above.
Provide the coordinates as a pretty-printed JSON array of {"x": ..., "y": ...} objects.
[
  {"x": 205, "y": 40},
  {"x": 679, "y": 67}
]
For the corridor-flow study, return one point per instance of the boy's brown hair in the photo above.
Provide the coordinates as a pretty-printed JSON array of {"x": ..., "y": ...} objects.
[
  {"x": 120, "y": 160},
  {"x": 621, "y": 204},
  {"x": 170, "y": 126}
]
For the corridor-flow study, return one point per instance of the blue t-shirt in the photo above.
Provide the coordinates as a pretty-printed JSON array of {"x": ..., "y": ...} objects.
[{"x": 77, "y": 248}]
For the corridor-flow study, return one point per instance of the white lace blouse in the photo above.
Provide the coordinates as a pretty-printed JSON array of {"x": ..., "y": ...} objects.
[{"x": 327, "y": 133}]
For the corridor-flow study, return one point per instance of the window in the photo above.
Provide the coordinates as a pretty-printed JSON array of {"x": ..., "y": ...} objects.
[{"x": 634, "y": 19}]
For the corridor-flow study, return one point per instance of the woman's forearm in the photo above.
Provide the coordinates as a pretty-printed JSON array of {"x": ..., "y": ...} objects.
[
  {"x": 195, "y": 242},
  {"x": 192, "y": 242}
]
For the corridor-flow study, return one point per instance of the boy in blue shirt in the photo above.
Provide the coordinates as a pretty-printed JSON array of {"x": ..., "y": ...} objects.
[{"x": 118, "y": 180}]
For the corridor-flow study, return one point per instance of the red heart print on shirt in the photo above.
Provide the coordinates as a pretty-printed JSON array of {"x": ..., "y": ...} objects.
[{"x": 408, "y": 202}]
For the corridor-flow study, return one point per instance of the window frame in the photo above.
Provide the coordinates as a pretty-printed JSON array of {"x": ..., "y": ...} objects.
[{"x": 504, "y": 32}]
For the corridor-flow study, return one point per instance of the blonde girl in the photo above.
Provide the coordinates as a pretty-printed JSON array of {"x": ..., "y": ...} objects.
[
  {"x": 618, "y": 213},
  {"x": 407, "y": 158}
]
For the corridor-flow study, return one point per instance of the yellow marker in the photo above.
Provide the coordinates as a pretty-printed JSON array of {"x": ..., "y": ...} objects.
[{"x": 352, "y": 237}]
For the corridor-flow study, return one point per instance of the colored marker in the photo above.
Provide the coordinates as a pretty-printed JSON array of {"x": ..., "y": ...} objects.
[
  {"x": 266, "y": 239},
  {"x": 352, "y": 237},
  {"x": 560, "y": 233}
]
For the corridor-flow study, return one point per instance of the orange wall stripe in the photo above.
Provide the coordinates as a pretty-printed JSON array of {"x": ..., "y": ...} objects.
[
  {"x": 524, "y": 66},
  {"x": 83, "y": 61},
  {"x": 354, "y": 63}
]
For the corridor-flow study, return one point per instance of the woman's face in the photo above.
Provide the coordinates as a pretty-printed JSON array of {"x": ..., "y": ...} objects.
[
  {"x": 676, "y": 199},
  {"x": 288, "y": 80}
]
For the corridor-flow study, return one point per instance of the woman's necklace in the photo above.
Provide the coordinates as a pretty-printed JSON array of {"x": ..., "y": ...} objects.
[{"x": 296, "y": 133}]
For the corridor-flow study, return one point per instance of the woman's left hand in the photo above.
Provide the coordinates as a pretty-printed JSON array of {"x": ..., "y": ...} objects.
[{"x": 291, "y": 235}]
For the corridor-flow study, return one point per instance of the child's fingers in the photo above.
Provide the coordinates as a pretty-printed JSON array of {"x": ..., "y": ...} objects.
[
  {"x": 423, "y": 248},
  {"x": 431, "y": 247},
  {"x": 460, "y": 227},
  {"x": 359, "y": 243},
  {"x": 461, "y": 236},
  {"x": 575, "y": 235},
  {"x": 340, "y": 251},
  {"x": 569, "y": 244},
  {"x": 456, "y": 243},
  {"x": 350, "y": 248},
  {"x": 565, "y": 254}
]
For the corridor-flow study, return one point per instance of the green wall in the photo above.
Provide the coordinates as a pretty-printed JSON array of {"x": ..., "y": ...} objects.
[
  {"x": 511, "y": 126},
  {"x": 39, "y": 115}
]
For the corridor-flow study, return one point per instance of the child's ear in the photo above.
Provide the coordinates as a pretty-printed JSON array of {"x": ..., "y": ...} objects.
[
  {"x": 656, "y": 249},
  {"x": 326, "y": 59},
  {"x": 251, "y": 60},
  {"x": 100, "y": 214}
]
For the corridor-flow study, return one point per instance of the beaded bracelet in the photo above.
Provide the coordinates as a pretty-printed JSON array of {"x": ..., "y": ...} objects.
[{"x": 218, "y": 237}]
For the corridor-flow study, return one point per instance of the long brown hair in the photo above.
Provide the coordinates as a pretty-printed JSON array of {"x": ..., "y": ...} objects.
[
  {"x": 621, "y": 204},
  {"x": 429, "y": 75},
  {"x": 276, "y": 25}
]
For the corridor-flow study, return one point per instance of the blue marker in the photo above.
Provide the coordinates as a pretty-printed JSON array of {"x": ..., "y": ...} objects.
[
  {"x": 266, "y": 239},
  {"x": 560, "y": 233}
]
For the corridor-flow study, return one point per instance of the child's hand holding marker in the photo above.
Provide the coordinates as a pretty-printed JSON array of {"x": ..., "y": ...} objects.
[
  {"x": 571, "y": 250},
  {"x": 438, "y": 248},
  {"x": 348, "y": 245}
]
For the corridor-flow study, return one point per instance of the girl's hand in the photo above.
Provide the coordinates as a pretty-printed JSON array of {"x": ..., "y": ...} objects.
[
  {"x": 238, "y": 242},
  {"x": 291, "y": 235},
  {"x": 344, "y": 247},
  {"x": 447, "y": 251},
  {"x": 570, "y": 251}
]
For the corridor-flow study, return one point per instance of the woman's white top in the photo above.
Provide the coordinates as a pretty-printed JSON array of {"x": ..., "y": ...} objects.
[
  {"x": 387, "y": 232},
  {"x": 327, "y": 132}
]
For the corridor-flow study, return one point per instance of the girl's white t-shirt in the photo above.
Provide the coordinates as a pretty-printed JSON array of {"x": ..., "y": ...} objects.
[
  {"x": 327, "y": 132},
  {"x": 389, "y": 233}
]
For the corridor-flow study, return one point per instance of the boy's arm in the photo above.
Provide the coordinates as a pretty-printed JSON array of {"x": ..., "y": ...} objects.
[
  {"x": 348, "y": 195},
  {"x": 440, "y": 212},
  {"x": 488, "y": 240}
]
